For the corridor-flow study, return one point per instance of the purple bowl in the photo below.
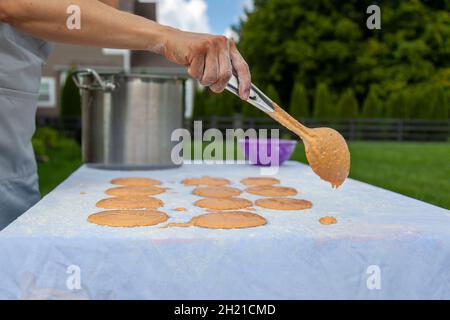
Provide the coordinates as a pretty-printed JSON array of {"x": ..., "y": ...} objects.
[{"x": 267, "y": 152}]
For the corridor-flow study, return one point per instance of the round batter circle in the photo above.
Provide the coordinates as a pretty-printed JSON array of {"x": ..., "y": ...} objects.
[
  {"x": 206, "y": 181},
  {"x": 224, "y": 204},
  {"x": 137, "y": 202},
  {"x": 216, "y": 192},
  {"x": 135, "y": 182},
  {"x": 134, "y": 191},
  {"x": 328, "y": 220},
  {"x": 272, "y": 191},
  {"x": 260, "y": 181},
  {"x": 284, "y": 204},
  {"x": 128, "y": 218},
  {"x": 229, "y": 220},
  {"x": 224, "y": 220}
]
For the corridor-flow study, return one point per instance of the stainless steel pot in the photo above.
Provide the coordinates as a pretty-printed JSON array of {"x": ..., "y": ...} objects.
[{"x": 128, "y": 119}]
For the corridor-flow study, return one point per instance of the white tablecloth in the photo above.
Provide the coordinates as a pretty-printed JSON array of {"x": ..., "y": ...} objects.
[{"x": 385, "y": 245}]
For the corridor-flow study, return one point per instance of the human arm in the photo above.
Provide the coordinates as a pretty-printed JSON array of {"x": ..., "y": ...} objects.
[{"x": 209, "y": 59}]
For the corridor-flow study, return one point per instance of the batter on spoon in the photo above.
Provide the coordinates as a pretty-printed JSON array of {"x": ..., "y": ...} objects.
[{"x": 326, "y": 150}]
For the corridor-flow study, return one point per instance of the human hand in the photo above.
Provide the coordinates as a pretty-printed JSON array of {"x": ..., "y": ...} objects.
[{"x": 210, "y": 59}]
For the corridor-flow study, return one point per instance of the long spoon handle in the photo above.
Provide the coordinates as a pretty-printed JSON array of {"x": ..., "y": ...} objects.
[
  {"x": 284, "y": 118},
  {"x": 264, "y": 103}
]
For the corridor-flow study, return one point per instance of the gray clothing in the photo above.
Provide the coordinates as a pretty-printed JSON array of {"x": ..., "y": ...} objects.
[{"x": 21, "y": 59}]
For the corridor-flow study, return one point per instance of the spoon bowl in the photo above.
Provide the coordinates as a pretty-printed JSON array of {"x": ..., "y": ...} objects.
[
  {"x": 328, "y": 155},
  {"x": 326, "y": 150}
]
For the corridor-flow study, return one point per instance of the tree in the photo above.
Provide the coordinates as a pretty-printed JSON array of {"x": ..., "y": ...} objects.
[
  {"x": 226, "y": 104},
  {"x": 323, "y": 107},
  {"x": 347, "y": 107},
  {"x": 372, "y": 107},
  {"x": 396, "y": 105},
  {"x": 70, "y": 98},
  {"x": 249, "y": 111},
  {"x": 208, "y": 103},
  {"x": 199, "y": 104},
  {"x": 416, "y": 102},
  {"x": 285, "y": 41},
  {"x": 299, "y": 105},
  {"x": 437, "y": 103},
  {"x": 272, "y": 93}
]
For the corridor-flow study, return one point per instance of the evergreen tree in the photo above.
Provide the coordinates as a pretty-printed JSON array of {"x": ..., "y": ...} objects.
[
  {"x": 395, "y": 105},
  {"x": 323, "y": 108},
  {"x": 347, "y": 107},
  {"x": 70, "y": 98},
  {"x": 199, "y": 104},
  {"x": 272, "y": 93},
  {"x": 228, "y": 104},
  {"x": 210, "y": 104},
  {"x": 372, "y": 107},
  {"x": 249, "y": 111},
  {"x": 322, "y": 41},
  {"x": 299, "y": 105},
  {"x": 437, "y": 103}
]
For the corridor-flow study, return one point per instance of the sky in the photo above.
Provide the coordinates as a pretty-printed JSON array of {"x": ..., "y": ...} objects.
[{"x": 209, "y": 16}]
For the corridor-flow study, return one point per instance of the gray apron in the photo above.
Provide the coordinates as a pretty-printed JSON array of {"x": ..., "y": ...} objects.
[{"x": 21, "y": 60}]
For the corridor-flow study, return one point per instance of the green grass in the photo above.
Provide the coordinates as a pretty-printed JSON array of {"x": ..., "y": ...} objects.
[
  {"x": 63, "y": 160},
  {"x": 418, "y": 170}
]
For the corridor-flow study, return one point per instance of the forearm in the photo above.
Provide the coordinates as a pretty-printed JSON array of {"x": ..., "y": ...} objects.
[
  {"x": 209, "y": 59},
  {"x": 101, "y": 25}
]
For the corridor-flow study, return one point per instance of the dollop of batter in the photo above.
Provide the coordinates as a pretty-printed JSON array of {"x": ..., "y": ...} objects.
[
  {"x": 284, "y": 204},
  {"x": 206, "y": 181},
  {"x": 272, "y": 191},
  {"x": 224, "y": 204},
  {"x": 128, "y": 218},
  {"x": 328, "y": 220},
  {"x": 260, "y": 181},
  {"x": 134, "y": 191},
  {"x": 326, "y": 150},
  {"x": 135, "y": 182},
  {"x": 135, "y": 202},
  {"x": 224, "y": 220},
  {"x": 216, "y": 192}
]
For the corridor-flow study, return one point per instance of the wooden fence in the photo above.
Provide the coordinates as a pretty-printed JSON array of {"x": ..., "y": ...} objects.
[{"x": 351, "y": 129}]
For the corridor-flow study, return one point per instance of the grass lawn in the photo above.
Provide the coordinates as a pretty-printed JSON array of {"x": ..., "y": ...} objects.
[
  {"x": 62, "y": 162},
  {"x": 418, "y": 170}
]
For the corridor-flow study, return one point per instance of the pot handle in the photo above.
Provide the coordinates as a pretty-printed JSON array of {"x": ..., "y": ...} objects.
[{"x": 99, "y": 83}]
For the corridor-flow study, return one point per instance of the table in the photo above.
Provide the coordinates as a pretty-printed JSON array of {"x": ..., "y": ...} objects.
[{"x": 385, "y": 245}]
